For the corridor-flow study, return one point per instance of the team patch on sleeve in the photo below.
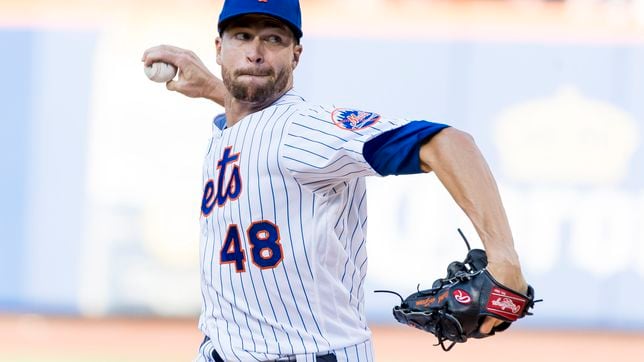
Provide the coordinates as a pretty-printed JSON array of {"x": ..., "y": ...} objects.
[{"x": 351, "y": 119}]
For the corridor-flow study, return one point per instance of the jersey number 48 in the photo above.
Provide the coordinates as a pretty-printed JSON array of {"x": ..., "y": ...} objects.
[{"x": 265, "y": 248}]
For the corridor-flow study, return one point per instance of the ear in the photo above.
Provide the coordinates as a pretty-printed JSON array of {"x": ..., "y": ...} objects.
[
  {"x": 218, "y": 49},
  {"x": 297, "y": 52}
]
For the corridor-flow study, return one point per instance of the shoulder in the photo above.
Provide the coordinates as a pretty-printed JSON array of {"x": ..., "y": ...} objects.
[{"x": 335, "y": 119}]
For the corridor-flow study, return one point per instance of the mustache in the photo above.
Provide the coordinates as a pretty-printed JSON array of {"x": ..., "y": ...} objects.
[{"x": 254, "y": 72}]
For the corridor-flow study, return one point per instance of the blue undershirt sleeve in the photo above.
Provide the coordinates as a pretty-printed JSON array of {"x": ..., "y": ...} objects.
[
  {"x": 220, "y": 121},
  {"x": 396, "y": 152}
]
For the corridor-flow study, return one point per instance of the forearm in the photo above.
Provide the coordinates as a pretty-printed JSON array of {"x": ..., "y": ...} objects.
[{"x": 461, "y": 168}]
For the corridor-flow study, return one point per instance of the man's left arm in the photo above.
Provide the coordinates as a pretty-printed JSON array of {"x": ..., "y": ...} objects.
[{"x": 461, "y": 168}]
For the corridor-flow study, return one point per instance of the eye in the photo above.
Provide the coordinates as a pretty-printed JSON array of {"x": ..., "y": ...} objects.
[
  {"x": 275, "y": 39},
  {"x": 242, "y": 36}
]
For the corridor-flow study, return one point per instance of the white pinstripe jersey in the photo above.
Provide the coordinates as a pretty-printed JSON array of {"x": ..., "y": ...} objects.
[{"x": 283, "y": 224}]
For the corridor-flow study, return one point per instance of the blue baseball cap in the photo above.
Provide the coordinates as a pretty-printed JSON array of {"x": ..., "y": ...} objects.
[{"x": 288, "y": 11}]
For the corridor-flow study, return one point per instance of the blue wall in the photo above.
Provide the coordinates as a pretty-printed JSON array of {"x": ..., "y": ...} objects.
[
  {"x": 43, "y": 149},
  {"x": 15, "y": 116}
]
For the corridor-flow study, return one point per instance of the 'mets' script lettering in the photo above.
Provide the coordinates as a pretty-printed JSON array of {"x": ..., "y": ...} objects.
[{"x": 227, "y": 189}]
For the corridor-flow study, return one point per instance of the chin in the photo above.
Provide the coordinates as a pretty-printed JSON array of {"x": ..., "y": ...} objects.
[{"x": 253, "y": 94}]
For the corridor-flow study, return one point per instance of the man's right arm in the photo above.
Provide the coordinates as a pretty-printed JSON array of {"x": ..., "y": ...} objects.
[
  {"x": 195, "y": 80},
  {"x": 461, "y": 168}
]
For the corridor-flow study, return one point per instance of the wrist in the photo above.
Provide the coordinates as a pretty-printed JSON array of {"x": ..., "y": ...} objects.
[
  {"x": 508, "y": 258},
  {"x": 508, "y": 274}
]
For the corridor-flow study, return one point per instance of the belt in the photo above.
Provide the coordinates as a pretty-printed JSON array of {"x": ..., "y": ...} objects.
[{"x": 329, "y": 357}]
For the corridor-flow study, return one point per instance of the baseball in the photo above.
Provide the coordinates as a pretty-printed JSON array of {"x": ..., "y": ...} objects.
[{"x": 160, "y": 72}]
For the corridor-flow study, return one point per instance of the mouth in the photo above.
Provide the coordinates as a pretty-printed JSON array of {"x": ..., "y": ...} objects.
[{"x": 253, "y": 74}]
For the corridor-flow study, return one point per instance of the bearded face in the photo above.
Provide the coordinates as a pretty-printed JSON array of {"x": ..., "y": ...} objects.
[
  {"x": 257, "y": 54},
  {"x": 255, "y": 85}
]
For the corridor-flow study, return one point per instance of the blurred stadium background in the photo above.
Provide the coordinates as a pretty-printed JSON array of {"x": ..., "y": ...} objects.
[{"x": 100, "y": 168}]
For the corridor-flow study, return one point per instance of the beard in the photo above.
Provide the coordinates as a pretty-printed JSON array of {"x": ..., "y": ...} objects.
[{"x": 272, "y": 87}]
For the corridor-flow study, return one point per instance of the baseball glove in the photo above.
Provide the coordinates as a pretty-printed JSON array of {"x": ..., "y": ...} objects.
[{"x": 454, "y": 308}]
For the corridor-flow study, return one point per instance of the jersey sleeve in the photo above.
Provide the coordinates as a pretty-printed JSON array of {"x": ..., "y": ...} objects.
[
  {"x": 324, "y": 147},
  {"x": 397, "y": 151}
]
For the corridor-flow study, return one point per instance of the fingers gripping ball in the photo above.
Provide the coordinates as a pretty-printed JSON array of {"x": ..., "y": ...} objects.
[{"x": 160, "y": 72}]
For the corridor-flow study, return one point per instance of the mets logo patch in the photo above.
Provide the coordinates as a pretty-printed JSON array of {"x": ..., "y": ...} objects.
[{"x": 352, "y": 119}]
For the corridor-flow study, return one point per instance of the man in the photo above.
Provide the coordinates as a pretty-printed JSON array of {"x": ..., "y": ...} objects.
[{"x": 283, "y": 211}]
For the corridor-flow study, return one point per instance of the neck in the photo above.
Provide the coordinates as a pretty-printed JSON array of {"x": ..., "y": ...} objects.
[{"x": 237, "y": 109}]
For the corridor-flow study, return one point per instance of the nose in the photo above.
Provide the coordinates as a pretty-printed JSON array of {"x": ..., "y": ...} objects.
[{"x": 254, "y": 52}]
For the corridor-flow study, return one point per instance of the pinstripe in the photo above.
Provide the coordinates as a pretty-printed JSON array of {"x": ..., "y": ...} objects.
[
  {"x": 344, "y": 176},
  {"x": 204, "y": 248},
  {"x": 344, "y": 224},
  {"x": 261, "y": 273},
  {"x": 320, "y": 119},
  {"x": 207, "y": 241},
  {"x": 350, "y": 244},
  {"x": 342, "y": 148},
  {"x": 363, "y": 271},
  {"x": 221, "y": 281},
  {"x": 230, "y": 272},
  {"x": 353, "y": 151},
  {"x": 350, "y": 256},
  {"x": 362, "y": 279},
  {"x": 366, "y": 353},
  {"x": 245, "y": 242},
  {"x": 224, "y": 355},
  {"x": 348, "y": 212},
  {"x": 325, "y": 172},
  {"x": 341, "y": 217},
  {"x": 211, "y": 279},
  {"x": 322, "y": 108},
  {"x": 320, "y": 131},
  {"x": 354, "y": 270},
  {"x": 300, "y": 161},
  {"x": 288, "y": 220},
  {"x": 302, "y": 238},
  {"x": 308, "y": 264},
  {"x": 307, "y": 151},
  {"x": 250, "y": 271},
  {"x": 314, "y": 141},
  {"x": 273, "y": 270},
  {"x": 376, "y": 128},
  {"x": 254, "y": 357},
  {"x": 355, "y": 257},
  {"x": 212, "y": 139}
]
